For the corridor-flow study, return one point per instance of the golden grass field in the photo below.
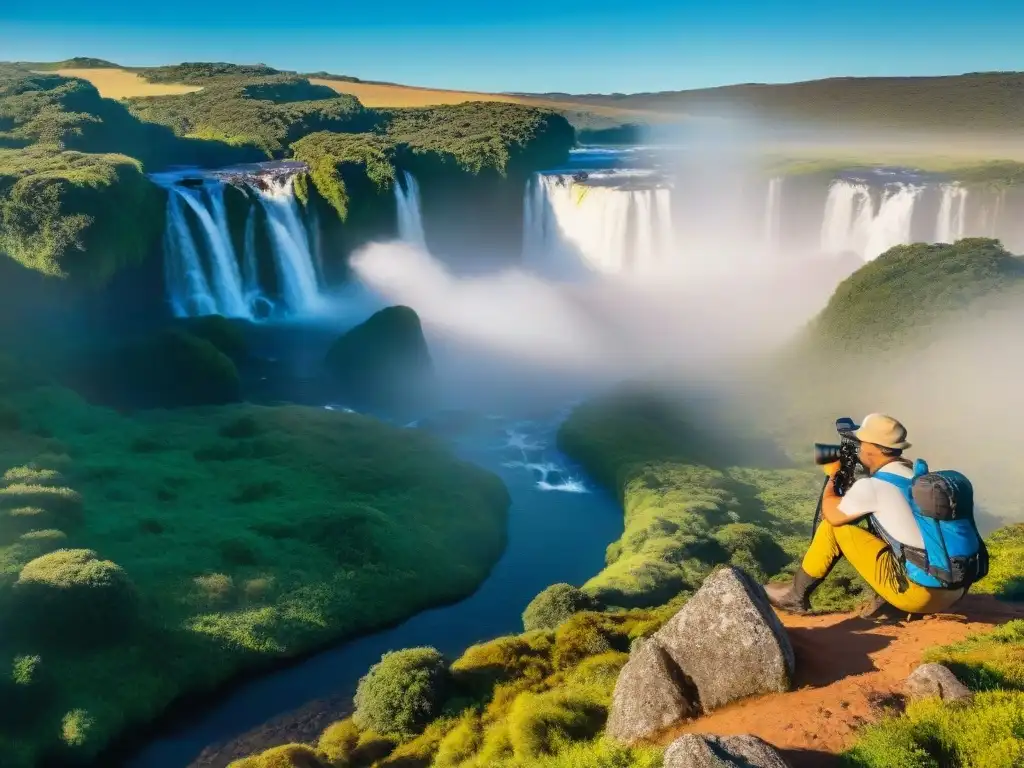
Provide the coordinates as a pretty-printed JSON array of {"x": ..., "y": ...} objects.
[{"x": 121, "y": 84}]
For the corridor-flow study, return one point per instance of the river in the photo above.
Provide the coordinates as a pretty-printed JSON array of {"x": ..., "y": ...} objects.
[{"x": 559, "y": 526}]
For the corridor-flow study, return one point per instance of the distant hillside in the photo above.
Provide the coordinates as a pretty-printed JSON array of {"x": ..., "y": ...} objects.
[{"x": 984, "y": 101}]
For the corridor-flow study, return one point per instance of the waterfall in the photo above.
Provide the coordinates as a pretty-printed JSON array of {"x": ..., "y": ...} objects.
[
  {"x": 250, "y": 272},
  {"x": 602, "y": 228},
  {"x": 227, "y": 281},
  {"x": 952, "y": 220},
  {"x": 852, "y": 223},
  {"x": 773, "y": 215},
  {"x": 187, "y": 286},
  {"x": 299, "y": 287},
  {"x": 407, "y": 202}
]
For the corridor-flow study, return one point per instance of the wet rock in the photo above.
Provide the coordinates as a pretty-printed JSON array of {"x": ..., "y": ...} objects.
[
  {"x": 650, "y": 694},
  {"x": 704, "y": 751},
  {"x": 728, "y": 642},
  {"x": 935, "y": 680}
]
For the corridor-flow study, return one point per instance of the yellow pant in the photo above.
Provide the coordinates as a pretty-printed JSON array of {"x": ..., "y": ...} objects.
[{"x": 874, "y": 560}]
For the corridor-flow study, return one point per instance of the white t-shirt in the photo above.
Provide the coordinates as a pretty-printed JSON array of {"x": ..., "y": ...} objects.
[{"x": 871, "y": 495}]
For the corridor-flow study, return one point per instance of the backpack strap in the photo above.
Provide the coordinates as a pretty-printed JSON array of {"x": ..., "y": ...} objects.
[{"x": 915, "y": 561}]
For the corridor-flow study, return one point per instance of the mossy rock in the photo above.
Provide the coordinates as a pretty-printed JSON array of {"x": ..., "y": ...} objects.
[
  {"x": 170, "y": 369},
  {"x": 226, "y": 335},
  {"x": 384, "y": 361},
  {"x": 71, "y": 596}
]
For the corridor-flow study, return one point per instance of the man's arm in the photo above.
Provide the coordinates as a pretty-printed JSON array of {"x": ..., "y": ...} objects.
[{"x": 858, "y": 502}]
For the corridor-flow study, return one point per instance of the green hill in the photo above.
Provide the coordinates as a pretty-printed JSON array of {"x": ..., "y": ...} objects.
[{"x": 975, "y": 102}]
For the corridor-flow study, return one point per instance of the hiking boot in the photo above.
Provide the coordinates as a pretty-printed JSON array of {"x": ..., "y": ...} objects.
[{"x": 794, "y": 597}]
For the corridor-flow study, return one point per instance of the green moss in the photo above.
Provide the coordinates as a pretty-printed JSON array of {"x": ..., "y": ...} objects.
[
  {"x": 926, "y": 283},
  {"x": 268, "y": 113},
  {"x": 72, "y": 215},
  {"x": 986, "y": 734},
  {"x": 339, "y": 161},
  {"x": 363, "y": 510}
]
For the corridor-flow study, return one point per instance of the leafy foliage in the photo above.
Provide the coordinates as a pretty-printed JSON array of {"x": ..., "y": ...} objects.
[
  {"x": 909, "y": 288},
  {"x": 269, "y": 114},
  {"x": 402, "y": 692},
  {"x": 338, "y": 160},
  {"x": 201, "y": 73},
  {"x": 554, "y": 605}
]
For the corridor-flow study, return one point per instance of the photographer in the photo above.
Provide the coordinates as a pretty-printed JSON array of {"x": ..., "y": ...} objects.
[{"x": 880, "y": 442}]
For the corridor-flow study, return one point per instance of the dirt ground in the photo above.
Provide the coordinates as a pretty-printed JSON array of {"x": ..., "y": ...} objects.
[{"x": 849, "y": 672}]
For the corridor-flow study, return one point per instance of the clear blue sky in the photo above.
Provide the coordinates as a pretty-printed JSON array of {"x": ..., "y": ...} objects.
[{"x": 534, "y": 45}]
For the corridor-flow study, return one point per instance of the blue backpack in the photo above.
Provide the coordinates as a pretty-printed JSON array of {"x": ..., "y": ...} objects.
[{"x": 954, "y": 555}]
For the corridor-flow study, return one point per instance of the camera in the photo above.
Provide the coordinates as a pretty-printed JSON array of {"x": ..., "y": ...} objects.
[{"x": 845, "y": 453}]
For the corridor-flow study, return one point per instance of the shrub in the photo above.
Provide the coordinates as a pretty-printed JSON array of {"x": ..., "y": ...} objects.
[
  {"x": 985, "y": 734},
  {"x": 506, "y": 659},
  {"x": 556, "y": 604},
  {"x": 461, "y": 742},
  {"x": 286, "y": 756},
  {"x": 338, "y": 743},
  {"x": 32, "y": 476},
  {"x": 402, "y": 692},
  {"x": 539, "y": 723},
  {"x": 72, "y": 596}
]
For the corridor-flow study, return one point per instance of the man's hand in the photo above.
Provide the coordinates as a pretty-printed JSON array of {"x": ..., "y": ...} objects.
[{"x": 830, "y": 503}]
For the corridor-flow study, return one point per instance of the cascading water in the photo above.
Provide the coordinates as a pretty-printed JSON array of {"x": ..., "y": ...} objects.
[
  {"x": 227, "y": 280},
  {"x": 852, "y": 223},
  {"x": 569, "y": 225},
  {"x": 300, "y": 290},
  {"x": 952, "y": 221},
  {"x": 773, "y": 215},
  {"x": 187, "y": 286},
  {"x": 410, "y": 219},
  {"x": 204, "y": 273}
]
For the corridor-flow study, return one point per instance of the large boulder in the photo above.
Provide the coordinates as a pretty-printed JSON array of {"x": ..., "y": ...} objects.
[
  {"x": 650, "y": 694},
  {"x": 935, "y": 680},
  {"x": 382, "y": 362},
  {"x": 703, "y": 751},
  {"x": 728, "y": 641}
]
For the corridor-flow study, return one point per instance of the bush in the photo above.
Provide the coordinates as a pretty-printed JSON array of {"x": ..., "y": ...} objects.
[
  {"x": 556, "y": 604},
  {"x": 170, "y": 369},
  {"x": 521, "y": 657},
  {"x": 33, "y": 507},
  {"x": 338, "y": 743},
  {"x": 71, "y": 596},
  {"x": 32, "y": 476},
  {"x": 402, "y": 693},
  {"x": 539, "y": 723},
  {"x": 286, "y": 756},
  {"x": 986, "y": 734},
  {"x": 461, "y": 742}
]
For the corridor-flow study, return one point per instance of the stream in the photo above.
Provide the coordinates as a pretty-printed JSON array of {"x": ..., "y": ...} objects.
[{"x": 559, "y": 525}]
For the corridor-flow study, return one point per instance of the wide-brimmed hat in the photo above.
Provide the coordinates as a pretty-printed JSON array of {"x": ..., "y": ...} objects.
[{"x": 882, "y": 430}]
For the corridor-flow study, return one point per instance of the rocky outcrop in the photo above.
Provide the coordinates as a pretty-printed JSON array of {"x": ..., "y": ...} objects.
[
  {"x": 728, "y": 641},
  {"x": 725, "y": 644},
  {"x": 703, "y": 751},
  {"x": 384, "y": 362},
  {"x": 935, "y": 680},
  {"x": 650, "y": 694}
]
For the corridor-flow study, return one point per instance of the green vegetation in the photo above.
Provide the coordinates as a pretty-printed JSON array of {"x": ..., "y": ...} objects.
[
  {"x": 174, "y": 549},
  {"x": 556, "y": 604},
  {"x": 338, "y": 161},
  {"x": 983, "y": 102},
  {"x": 928, "y": 284},
  {"x": 269, "y": 113},
  {"x": 402, "y": 692},
  {"x": 986, "y": 733},
  {"x": 74, "y": 202}
]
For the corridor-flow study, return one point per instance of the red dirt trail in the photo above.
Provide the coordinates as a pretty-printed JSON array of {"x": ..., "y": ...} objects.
[{"x": 849, "y": 671}]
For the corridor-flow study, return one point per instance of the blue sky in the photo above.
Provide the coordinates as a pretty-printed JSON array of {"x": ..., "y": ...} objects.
[{"x": 527, "y": 45}]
